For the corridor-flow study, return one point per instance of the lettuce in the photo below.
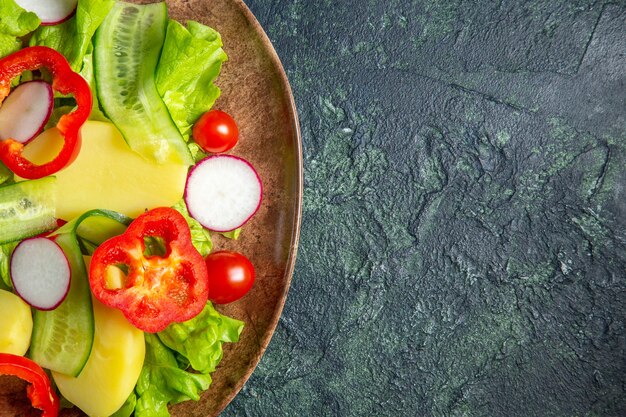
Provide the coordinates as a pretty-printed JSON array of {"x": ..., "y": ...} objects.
[
  {"x": 233, "y": 234},
  {"x": 179, "y": 361},
  {"x": 191, "y": 60},
  {"x": 73, "y": 37},
  {"x": 126, "y": 410},
  {"x": 162, "y": 382},
  {"x": 200, "y": 339},
  {"x": 200, "y": 236},
  {"x": 14, "y": 22},
  {"x": 196, "y": 151},
  {"x": 87, "y": 72}
]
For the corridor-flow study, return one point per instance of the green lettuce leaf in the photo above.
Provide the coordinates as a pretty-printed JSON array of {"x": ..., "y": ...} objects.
[
  {"x": 233, "y": 234},
  {"x": 126, "y": 410},
  {"x": 14, "y": 22},
  {"x": 73, "y": 37},
  {"x": 165, "y": 378},
  {"x": 190, "y": 62},
  {"x": 162, "y": 382},
  {"x": 200, "y": 339},
  {"x": 196, "y": 151},
  {"x": 200, "y": 236},
  {"x": 87, "y": 72}
]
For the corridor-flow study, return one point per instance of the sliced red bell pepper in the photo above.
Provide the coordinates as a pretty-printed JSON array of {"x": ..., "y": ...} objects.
[
  {"x": 65, "y": 81},
  {"x": 157, "y": 290},
  {"x": 39, "y": 390}
]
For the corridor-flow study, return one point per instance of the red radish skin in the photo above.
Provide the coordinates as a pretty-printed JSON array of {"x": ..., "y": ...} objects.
[
  {"x": 40, "y": 273},
  {"x": 25, "y": 112},
  {"x": 217, "y": 189},
  {"x": 50, "y": 12}
]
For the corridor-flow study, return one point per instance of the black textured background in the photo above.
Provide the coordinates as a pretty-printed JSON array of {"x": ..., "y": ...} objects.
[{"x": 463, "y": 250}]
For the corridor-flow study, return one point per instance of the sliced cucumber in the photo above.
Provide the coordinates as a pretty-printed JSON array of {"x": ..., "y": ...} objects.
[
  {"x": 127, "y": 47},
  {"x": 27, "y": 209},
  {"x": 62, "y": 338},
  {"x": 94, "y": 227}
]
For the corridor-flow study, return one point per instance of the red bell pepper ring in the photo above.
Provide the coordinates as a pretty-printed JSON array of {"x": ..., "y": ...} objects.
[
  {"x": 65, "y": 81},
  {"x": 39, "y": 390},
  {"x": 157, "y": 290}
]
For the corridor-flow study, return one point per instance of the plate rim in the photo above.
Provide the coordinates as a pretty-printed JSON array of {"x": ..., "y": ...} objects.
[{"x": 287, "y": 94}]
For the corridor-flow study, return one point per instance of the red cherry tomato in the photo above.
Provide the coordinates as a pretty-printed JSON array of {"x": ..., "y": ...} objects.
[
  {"x": 216, "y": 131},
  {"x": 231, "y": 276}
]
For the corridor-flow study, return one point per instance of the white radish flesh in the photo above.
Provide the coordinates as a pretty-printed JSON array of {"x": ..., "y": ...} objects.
[
  {"x": 25, "y": 112},
  {"x": 50, "y": 12},
  {"x": 223, "y": 192},
  {"x": 40, "y": 273}
]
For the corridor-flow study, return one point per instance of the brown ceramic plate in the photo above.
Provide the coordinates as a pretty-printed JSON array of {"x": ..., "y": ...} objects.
[{"x": 255, "y": 91}]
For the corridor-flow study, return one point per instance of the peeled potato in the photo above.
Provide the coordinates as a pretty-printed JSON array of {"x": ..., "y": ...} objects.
[
  {"x": 107, "y": 174},
  {"x": 16, "y": 325},
  {"x": 112, "y": 369}
]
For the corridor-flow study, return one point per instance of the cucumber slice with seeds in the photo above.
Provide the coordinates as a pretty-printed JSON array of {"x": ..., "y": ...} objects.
[
  {"x": 27, "y": 209},
  {"x": 126, "y": 53}
]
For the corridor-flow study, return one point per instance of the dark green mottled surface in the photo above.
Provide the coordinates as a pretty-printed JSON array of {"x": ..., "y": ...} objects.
[{"x": 463, "y": 250}]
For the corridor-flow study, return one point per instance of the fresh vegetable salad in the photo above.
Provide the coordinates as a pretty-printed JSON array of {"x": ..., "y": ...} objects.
[{"x": 113, "y": 176}]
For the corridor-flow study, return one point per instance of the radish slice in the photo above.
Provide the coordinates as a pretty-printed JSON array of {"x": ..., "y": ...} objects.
[
  {"x": 40, "y": 273},
  {"x": 25, "y": 112},
  {"x": 223, "y": 192},
  {"x": 50, "y": 12}
]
